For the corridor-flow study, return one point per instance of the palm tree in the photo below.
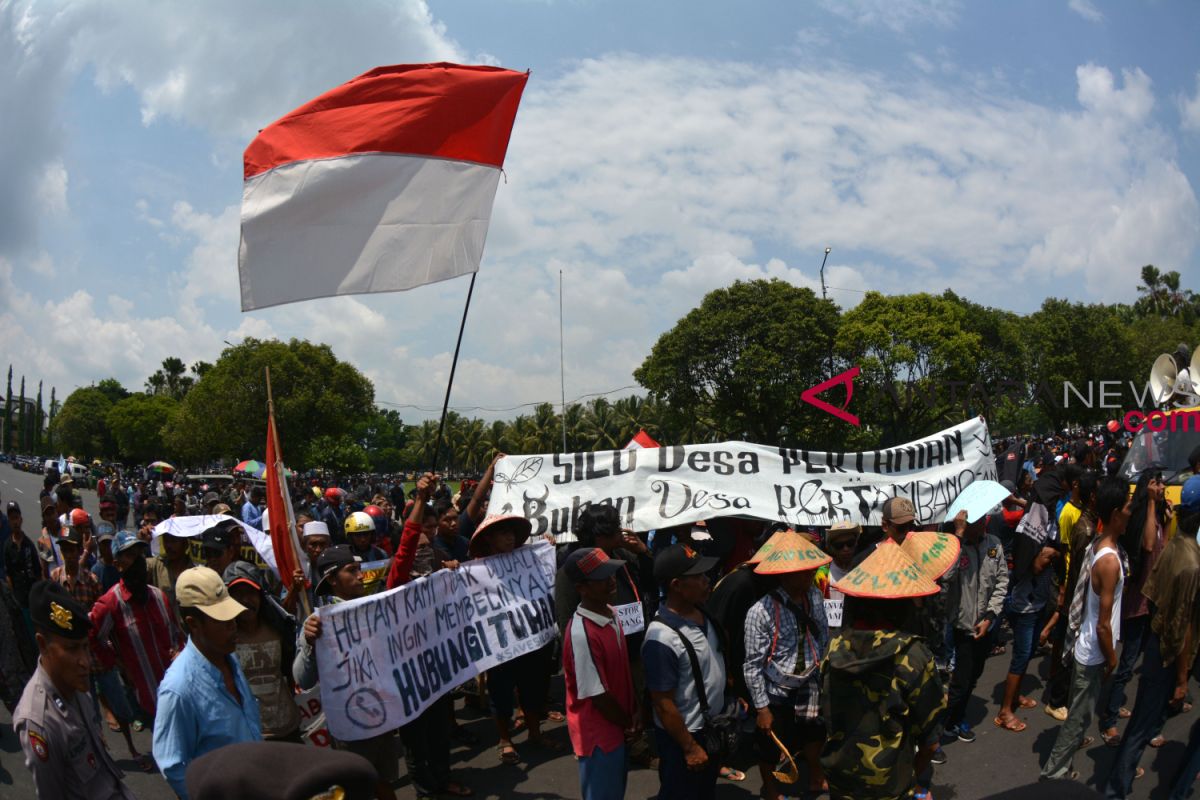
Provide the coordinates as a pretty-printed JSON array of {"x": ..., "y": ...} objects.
[
  {"x": 576, "y": 417},
  {"x": 157, "y": 383},
  {"x": 548, "y": 429},
  {"x": 603, "y": 426}
]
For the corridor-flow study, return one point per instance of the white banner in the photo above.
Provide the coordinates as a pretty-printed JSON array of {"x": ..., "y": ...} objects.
[
  {"x": 665, "y": 486},
  {"x": 385, "y": 658}
]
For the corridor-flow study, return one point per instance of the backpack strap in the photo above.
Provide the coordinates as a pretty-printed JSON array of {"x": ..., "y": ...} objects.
[{"x": 697, "y": 677}]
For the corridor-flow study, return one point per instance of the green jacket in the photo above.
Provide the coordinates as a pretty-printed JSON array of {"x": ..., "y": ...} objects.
[{"x": 881, "y": 698}]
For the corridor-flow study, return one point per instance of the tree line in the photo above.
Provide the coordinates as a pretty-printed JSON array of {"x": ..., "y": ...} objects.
[{"x": 732, "y": 368}]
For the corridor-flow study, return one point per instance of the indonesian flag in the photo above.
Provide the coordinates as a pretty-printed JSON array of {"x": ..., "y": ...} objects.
[
  {"x": 281, "y": 517},
  {"x": 380, "y": 185},
  {"x": 641, "y": 440}
]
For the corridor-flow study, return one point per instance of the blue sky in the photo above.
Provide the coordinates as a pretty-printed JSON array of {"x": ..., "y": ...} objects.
[{"x": 1009, "y": 151}]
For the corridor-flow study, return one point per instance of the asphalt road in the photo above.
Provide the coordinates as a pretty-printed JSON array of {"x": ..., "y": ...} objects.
[{"x": 996, "y": 761}]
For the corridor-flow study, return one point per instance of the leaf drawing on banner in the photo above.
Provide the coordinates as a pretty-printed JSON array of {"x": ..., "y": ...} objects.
[{"x": 526, "y": 471}]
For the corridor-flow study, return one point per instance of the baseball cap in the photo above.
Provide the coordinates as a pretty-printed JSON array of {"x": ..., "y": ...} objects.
[
  {"x": 79, "y": 517},
  {"x": 332, "y": 560},
  {"x": 71, "y": 534},
  {"x": 219, "y": 536},
  {"x": 14, "y": 507},
  {"x": 899, "y": 510},
  {"x": 105, "y": 531},
  {"x": 1189, "y": 498},
  {"x": 202, "y": 588},
  {"x": 125, "y": 540},
  {"x": 591, "y": 564},
  {"x": 243, "y": 572},
  {"x": 680, "y": 560}
]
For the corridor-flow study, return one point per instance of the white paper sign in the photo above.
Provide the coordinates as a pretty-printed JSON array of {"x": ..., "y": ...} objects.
[
  {"x": 630, "y": 617},
  {"x": 833, "y": 609},
  {"x": 385, "y": 658},
  {"x": 312, "y": 719},
  {"x": 664, "y": 486}
]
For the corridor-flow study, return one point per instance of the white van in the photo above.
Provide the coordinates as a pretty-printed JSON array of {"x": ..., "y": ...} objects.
[{"x": 78, "y": 472}]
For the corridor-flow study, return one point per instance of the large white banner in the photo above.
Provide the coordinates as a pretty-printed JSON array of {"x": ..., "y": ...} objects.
[
  {"x": 385, "y": 658},
  {"x": 654, "y": 488}
]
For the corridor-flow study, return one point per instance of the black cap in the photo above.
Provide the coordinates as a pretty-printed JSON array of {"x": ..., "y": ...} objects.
[
  {"x": 591, "y": 564},
  {"x": 679, "y": 560},
  {"x": 280, "y": 771},
  {"x": 333, "y": 559},
  {"x": 13, "y": 508},
  {"x": 219, "y": 536},
  {"x": 54, "y": 610},
  {"x": 71, "y": 534}
]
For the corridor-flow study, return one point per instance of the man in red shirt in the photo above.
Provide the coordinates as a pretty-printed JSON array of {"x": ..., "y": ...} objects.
[
  {"x": 137, "y": 618},
  {"x": 601, "y": 710}
]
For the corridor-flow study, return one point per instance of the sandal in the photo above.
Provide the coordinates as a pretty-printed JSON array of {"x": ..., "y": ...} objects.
[
  {"x": 1088, "y": 741},
  {"x": 731, "y": 774},
  {"x": 1124, "y": 713},
  {"x": 1158, "y": 741},
  {"x": 508, "y": 753},
  {"x": 1027, "y": 703},
  {"x": 999, "y": 650},
  {"x": 146, "y": 763},
  {"x": 1139, "y": 773},
  {"x": 1111, "y": 739},
  {"x": 555, "y": 716},
  {"x": 1013, "y": 724}
]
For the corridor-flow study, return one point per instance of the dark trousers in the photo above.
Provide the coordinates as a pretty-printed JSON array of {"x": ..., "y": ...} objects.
[
  {"x": 970, "y": 654},
  {"x": 1155, "y": 687},
  {"x": 427, "y": 747},
  {"x": 676, "y": 781},
  {"x": 1185, "y": 777},
  {"x": 1112, "y": 696}
]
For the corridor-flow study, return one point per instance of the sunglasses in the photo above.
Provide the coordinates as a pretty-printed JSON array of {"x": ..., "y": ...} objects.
[{"x": 847, "y": 544}]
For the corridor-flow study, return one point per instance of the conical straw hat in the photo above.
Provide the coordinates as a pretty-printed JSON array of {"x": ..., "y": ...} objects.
[
  {"x": 889, "y": 573},
  {"x": 934, "y": 552},
  {"x": 768, "y": 547},
  {"x": 791, "y": 553}
]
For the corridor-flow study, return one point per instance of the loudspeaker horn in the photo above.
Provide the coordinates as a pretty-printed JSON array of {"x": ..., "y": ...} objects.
[{"x": 1162, "y": 378}]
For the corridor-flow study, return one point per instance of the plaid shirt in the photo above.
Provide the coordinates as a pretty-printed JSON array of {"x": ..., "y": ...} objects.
[
  {"x": 85, "y": 587},
  {"x": 772, "y": 677}
]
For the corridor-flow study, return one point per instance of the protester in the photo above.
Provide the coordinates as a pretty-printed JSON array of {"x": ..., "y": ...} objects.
[
  {"x": 976, "y": 588},
  {"x": 333, "y": 515},
  {"x": 252, "y": 509},
  {"x": 360, "y": 532},
  {"x": 1097, "y": 604},
  {"x": 1143, "y": 543},
  {"x": 787, "y": 636},
  {"x": 685, "y": 769},
  {"x": 601, "y": 704},
  {"x": 219, "y": 545},
  {"x": 266, "y": 650},
  {"x": 841, "y": 543},
  {"x": 133, "y": 624},
  {"x": 204, "y": 702},
  {"x": 527, "y": 675},
  {"x": 56, "y": 721},
  {"x": 448, "y": 541},
  {"x": 164, "y": 570},
  {"x": 104, "y": 569},
  {"x": 22, "y": 567},
  {"x": 1032, "y": 590},
  {"x": 877, "y": 750},
  {"x": 341, "y": 580},
  {"x": 1173, "y": 590}
]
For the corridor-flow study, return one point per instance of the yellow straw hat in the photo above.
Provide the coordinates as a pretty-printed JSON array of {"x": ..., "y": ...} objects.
[
  {"x": 791, "y": 553},
  {"x": 894, "y": 572}
]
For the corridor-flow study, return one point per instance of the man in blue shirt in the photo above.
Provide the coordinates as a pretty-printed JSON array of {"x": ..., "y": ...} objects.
[
  {"x": 252, "y": 511},
  {"x": 204, "y": 701}
]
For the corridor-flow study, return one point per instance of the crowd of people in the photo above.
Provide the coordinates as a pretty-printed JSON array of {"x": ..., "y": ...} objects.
[{"x": 844, "y": 656}]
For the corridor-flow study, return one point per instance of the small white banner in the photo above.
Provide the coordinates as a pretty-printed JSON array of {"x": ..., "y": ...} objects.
[{"x": 385, "y": 658}]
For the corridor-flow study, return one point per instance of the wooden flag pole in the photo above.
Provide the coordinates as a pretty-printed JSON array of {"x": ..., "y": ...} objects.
[
  {"x": 453, "y": 366},
  {"x": 281, "y": 476}
]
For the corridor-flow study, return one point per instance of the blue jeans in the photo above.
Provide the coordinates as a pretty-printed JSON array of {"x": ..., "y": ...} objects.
[
  {"x": 602, "y": 775},
  {"x": 1112, "y": 697},
  {"x": 676, "y": 781},
  {"x": 1025, "y": 631},
  {"x": 1155, "y": 687},
  {"x": 108, "y": 685}
]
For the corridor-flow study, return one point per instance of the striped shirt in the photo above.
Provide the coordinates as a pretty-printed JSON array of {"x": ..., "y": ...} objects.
[{"x": 144, "y": 637}]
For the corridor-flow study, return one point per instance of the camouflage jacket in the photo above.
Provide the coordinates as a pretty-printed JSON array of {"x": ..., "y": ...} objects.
[{"x": 881, "y": 698}]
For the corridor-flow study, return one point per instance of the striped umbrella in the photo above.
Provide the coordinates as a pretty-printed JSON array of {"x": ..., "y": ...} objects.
[
  {"x": 254, "y": 469},
  {"x": 160, "y": 468}
]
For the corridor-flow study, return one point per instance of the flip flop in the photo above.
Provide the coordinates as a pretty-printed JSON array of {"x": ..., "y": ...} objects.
[
  {"x": 1139, "y": 773},
  {"x": 1027, "y": 703},
  {"x": 1124, "y": 713},
  {"x": 1088, "y": 741},
  {"x": 1158, "y": 741},
  {"x": 555, "y": 716},
  {"x": 1111, "y": 739},
  {"x": 1015, "y": 725},
  {"x": 508, "y": 753},
  {"x": 731, "y": 774}
]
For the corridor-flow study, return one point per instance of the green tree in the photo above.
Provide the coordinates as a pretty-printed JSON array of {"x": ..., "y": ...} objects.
[
  {"x": 50, "y": 420},
  {"x": 913, "y": 351},
  {"x": 200, "y": 368},
  {"x": 225, "y": 413},
  {"x": 22, "y": 422},
  {"x": 739, "y": 362},
  {"x": 383, "y": 435},
  {"x": 156, "y": 384},
  {"x": 113, "y": 389},
  {"x": 339, "y": 454},
  {"x": 81, "y": 427},
  {"x": 137, "y": 423}
]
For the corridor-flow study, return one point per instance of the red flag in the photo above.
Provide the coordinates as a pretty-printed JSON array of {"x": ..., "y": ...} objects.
[
  {"x": 279, "y": 509},
  {"x": 641, "y": 440}
]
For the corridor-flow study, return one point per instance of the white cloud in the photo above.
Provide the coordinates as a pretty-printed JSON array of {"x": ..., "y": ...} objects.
[
  {"x": 1098, "y": 92},
  {"x": 52, "y": 188},
  {"x": 898, "y": 15},
  {"x": 42, "y": 265},
  {"x": 1086, "y": 9},
  {"x": 1189, "y": 109}
]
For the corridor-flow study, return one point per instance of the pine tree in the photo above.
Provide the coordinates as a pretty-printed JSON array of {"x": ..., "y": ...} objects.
[
  {"x": 22, "y": 442},
  {"x": 50, "y": 423},
  {"x": 38, "y": 419}
]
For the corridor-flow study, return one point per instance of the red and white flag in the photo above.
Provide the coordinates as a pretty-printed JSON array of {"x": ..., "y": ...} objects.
[
  {"x": 382, "y": 184},
  {"x": 641, "y": 440},
  {"x": 284, "y": 539}
]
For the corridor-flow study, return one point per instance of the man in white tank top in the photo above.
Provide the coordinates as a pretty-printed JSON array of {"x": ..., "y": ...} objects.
[{"x": 1095, "y": 647}]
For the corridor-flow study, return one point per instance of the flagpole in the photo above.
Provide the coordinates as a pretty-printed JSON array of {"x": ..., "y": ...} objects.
[
  {"x": 562, "y": 369},
  {"x": 453, "y": 366},
  {"x": 279, "y": 476}
]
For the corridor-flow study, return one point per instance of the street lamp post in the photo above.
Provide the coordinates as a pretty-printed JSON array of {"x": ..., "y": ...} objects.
[{"x": 823, "y": 260}]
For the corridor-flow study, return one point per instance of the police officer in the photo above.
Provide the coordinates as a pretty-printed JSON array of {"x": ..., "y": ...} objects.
[{"x": 56, "y": 719}]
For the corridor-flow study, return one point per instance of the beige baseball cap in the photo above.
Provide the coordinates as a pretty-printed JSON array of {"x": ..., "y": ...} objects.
[{"x": 202, "y": 588}]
